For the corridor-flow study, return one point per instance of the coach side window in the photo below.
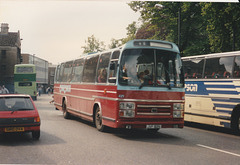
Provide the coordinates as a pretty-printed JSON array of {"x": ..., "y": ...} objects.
[
  {"x": 102, "y": 70},
  {"x": 89, "y": 71},
  {"x": 67, "y": 77},
  {"x": 227, "y": 62},
  {"x": 212, "y": 69},
  {"x": 236, "y": 71},
  {"x": 61, "y": 69},
  {"x": 193, "y": 68},
  {"x": 113, "y": 67},
  {"x": 219, "y": 67},
  {"x": 77, "y": 70},
  {"x": 56, "y": 77}
]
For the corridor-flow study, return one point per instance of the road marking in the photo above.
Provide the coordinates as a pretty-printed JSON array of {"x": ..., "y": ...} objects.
[{"x": 215, "y": 149}]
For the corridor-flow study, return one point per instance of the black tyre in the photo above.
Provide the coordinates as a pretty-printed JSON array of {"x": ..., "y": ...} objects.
[
  {"x": 235, "y": 119},
  {"x": 36, "y": 135},
  {"x": 98, "y": 120},
  {"x": 66, "y": 114},
  {"x": 236, "y": 123}
]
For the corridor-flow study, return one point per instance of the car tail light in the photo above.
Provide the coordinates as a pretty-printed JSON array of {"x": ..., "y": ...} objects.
[{"x": 37, "y": 119}]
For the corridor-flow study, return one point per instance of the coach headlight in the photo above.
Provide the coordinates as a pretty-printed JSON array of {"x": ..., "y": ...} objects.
[
  {"x": 127, "y": 109},
  {"x": 178, "y": 114},
  {"x": 178, "y": 106},
  {"x": 126, "y": 105},
  {"x": 178, "y": 110},
  {"x": 127, "y": 113}
]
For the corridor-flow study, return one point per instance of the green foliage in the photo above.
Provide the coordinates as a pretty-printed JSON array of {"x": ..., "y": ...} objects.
[
  {"x": 115, "y": 43},
  {"x": 131, "y": 31},
  {"x": 223, "y": 24},
  {"x": 131, "y": 35},
  {"x": 148, "y": 31},
  {"x": 93, "y": 45},
  {"x": 205, "y": 27}
]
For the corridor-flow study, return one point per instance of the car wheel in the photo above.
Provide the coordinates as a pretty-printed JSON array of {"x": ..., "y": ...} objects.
[
  {"x": 36, "y": 135},
  {"x": 98, "y": 120},
  {"x": 66, "y": 114}
]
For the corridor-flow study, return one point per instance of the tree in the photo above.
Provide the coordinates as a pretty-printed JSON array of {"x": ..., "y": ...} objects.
[
  {"x": 223, "y": 25},
  {"x": 131, "y": 35},
  {"x": 115, "y": 43},
  {"x": 147, "y": 31},
  {"x": 93, "y": 45},
  {"x": 153, "y": 18},
  {"x": 194, "y": 39},
  {"x": 205, "y": 27},
  {"x": 131, "y": 32}
]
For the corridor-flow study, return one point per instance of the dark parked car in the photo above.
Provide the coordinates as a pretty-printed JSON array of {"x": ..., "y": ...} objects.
[{"x": 18, "y": 113}]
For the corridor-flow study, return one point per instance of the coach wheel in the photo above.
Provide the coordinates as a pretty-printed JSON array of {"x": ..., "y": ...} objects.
[
  {"x": 236, "y": 121},
  {"x": 98, "y": 120},
  {"x": 66, "y": 114},
  {"x": 238, "y": 124}
]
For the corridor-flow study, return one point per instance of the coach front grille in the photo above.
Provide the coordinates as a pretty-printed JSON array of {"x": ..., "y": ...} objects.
[{"x": 154, "y": 110}]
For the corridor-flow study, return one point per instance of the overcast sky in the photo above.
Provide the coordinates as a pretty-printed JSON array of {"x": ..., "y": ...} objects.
[{"x": 56, "y": 30}]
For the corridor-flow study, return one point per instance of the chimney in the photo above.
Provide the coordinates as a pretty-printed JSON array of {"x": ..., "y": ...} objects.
[{"x": 4, "y": 28}]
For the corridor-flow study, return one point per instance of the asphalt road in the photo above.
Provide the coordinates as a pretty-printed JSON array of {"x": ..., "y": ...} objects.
[{"x": 78, "y": 142}]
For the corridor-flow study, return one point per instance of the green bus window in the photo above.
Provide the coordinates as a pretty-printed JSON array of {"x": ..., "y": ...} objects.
[{"x": 24, "y": 84}]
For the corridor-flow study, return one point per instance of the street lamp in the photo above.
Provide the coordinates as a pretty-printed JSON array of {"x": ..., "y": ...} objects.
[{"x": 160, "y": 7}]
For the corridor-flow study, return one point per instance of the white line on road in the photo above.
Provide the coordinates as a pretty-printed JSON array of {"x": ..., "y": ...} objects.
[{"x": 215, "y": 149}]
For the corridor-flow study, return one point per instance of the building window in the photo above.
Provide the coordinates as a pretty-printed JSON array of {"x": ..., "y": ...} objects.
[{"x": 3, "y": 54}]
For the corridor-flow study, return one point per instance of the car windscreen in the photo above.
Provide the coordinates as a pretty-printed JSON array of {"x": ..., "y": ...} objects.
[{"x": 16, "y": 104}]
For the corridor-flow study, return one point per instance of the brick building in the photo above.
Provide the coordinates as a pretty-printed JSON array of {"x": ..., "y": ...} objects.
[{"x": 10, "y": 54}]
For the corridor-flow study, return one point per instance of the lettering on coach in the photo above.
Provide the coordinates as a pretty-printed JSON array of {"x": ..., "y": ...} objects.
[{"x": 191, "y": 87}]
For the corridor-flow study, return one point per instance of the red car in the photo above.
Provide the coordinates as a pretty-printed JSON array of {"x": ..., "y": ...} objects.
[{"x": 18, "y": 113}]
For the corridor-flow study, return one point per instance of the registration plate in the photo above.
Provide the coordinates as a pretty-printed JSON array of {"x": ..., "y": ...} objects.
[
  {"x": 153, "y": 126},
  {"x": 14, "y": 129}
]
